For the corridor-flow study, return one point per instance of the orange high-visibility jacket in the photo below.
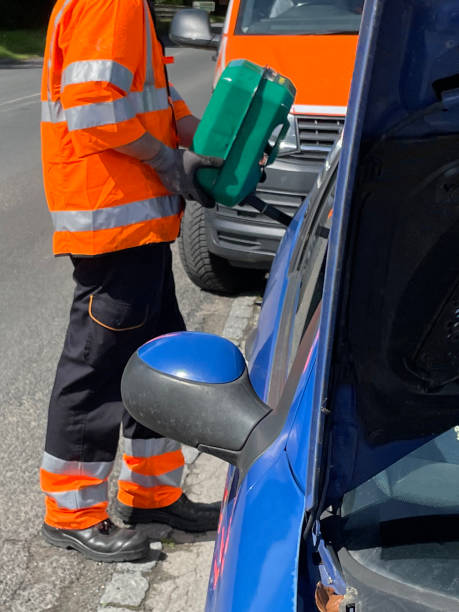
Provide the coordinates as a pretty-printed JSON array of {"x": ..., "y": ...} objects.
[{"x": 104, "y": 86}]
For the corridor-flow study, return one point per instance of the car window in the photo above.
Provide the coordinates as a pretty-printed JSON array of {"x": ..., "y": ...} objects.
[
  {"x": 305, "y": 285},
  {"x": 423, "y": 482},
  {"x": 311, "y": 269},
  {"x": 299, "y": 16}
]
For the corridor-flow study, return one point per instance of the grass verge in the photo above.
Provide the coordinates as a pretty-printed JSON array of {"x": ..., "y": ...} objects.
[{"x": 22, "y": 44}]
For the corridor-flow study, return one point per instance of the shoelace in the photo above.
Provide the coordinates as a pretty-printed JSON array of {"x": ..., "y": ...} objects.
[{"x": 106, "y": 526}]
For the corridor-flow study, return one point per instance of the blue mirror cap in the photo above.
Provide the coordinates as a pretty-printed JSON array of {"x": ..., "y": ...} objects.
[{"x": 195, "y": 357}]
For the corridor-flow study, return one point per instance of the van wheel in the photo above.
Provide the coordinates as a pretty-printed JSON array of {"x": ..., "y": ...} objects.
[{"x": 206, "y": 270}]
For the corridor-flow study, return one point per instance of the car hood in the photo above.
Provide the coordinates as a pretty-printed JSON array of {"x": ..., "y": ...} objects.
[{"x": 388, "y": 354}]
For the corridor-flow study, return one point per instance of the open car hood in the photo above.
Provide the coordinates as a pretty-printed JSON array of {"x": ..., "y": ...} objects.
[{"x": 388, "y": 356}]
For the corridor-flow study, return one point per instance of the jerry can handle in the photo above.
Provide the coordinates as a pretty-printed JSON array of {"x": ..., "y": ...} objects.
[{"x": 272, "y": 150}]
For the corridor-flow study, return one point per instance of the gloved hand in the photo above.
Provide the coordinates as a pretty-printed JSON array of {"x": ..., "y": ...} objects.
[{"x": 176, "y": 168}]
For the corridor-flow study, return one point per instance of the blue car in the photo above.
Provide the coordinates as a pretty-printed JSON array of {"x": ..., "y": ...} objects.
[{"x": 342, "y": 433}]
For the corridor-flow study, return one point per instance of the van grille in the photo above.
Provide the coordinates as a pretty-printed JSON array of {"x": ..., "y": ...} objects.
[{"x": 317, "y": 133}]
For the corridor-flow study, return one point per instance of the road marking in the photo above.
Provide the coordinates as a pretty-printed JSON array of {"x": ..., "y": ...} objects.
[{"x": 35, "y": 95}]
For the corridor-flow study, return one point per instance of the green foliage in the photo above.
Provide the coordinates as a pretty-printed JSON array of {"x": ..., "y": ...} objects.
[
  {"x": 23, "y": 25},
  {"x": 21, "y": 44}
]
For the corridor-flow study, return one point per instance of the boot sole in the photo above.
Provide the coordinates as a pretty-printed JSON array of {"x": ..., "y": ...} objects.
[
  {"x": 141, "y": 516},
  {"x": 69, "y": 543}
]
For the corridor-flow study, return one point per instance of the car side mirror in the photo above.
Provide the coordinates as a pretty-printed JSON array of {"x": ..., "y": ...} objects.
[
  {"x": 191, "y": 28},
  {"x": 194, "y": 388}
]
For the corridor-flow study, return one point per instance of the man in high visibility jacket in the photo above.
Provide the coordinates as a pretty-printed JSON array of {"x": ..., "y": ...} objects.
[{"x": 114, "y": 180}]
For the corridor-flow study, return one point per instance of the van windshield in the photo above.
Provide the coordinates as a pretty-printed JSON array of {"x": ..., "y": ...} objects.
[{"x": 299, "y": 16}]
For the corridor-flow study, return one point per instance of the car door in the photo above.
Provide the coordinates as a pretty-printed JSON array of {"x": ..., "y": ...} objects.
[{"x": 263, "y": 510}]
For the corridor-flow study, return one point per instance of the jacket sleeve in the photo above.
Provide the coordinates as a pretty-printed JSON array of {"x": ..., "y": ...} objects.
[
  {"x": 180, "y": 107},
  {"x": 103, "y": 50}
]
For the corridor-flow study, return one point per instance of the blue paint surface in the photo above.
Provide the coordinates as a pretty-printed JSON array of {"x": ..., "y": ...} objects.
[
  {"x": 404, "y": 47},
  {"x": 255, "y": 561},
  {"x": 268, "y": 330},
  {"x": 194, "y": 356}
]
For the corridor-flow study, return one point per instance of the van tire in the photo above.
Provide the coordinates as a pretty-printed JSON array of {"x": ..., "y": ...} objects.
[{"x": 206, "y": 270}]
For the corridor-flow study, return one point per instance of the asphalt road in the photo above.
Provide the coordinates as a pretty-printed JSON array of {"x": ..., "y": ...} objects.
[{"x": 35, "y": 290}]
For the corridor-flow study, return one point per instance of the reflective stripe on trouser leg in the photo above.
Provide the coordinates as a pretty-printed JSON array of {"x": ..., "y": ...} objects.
[
  {"x": 76, "y": 492},
  {"x": 151, "y": 474}
]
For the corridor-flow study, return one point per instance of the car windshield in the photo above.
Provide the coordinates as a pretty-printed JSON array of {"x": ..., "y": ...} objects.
[
  {"x": 404, "y": 521},
  {"x": 299, "y": 16},
  {"x": 423, "y": 483}
]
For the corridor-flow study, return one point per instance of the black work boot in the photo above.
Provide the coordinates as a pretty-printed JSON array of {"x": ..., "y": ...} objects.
[
  {"x": 102, "y": 542},
  {"x": 182, "y": 514}
]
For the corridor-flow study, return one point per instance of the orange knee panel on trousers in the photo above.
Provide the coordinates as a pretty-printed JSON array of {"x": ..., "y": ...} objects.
[
  {"x": 67, "y": 516},
  {"x": 151, "y": 482},
  {"x": 77, "y": 500},
  {"x": 61, "y": 518}
]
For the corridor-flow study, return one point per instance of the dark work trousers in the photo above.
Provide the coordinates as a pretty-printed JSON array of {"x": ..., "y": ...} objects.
[{"x": 121, "y": 301}]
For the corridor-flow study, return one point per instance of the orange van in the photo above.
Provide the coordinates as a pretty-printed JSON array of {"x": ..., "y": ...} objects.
[{"x": 313, "y": 43}]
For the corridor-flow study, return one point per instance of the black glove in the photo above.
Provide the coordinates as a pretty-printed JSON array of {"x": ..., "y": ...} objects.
[{"x": 176, "y": 169}]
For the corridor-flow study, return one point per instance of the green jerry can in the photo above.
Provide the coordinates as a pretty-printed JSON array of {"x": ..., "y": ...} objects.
[{"x": 244, "y": 122}]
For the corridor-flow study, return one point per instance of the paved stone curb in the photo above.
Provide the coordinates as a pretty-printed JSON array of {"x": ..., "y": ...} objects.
[{"x": 129, "y": 586}]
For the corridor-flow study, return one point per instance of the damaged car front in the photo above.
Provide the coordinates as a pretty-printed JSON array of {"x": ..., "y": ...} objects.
[{"x": 387, "y": 528}]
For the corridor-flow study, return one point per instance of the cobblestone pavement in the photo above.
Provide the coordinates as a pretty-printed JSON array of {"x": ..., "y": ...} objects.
[{"x": 175, "y": 576}]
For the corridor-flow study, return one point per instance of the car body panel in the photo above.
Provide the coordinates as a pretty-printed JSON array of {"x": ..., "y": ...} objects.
[
  {"x": 350, "y": 470},
  {"x": 409, "y": 41},
  {"x": 246, "y": 572},
  {"x": 263, "y": 347},
  {"x": 301, "y": 435},
  {"x": 319, "y": 66},
  {"x": 367, "y": 121},
  {"x": 270, "y": 327},
  {"x": 247, "y": 575},
  {"x": 278, "y": 473}
]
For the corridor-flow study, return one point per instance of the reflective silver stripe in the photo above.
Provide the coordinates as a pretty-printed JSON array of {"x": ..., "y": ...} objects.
[
  {"x": 96, "y": 115},
  {"x": 106, "y": 113},
  {"x": 60, "y": 13},
  {"x": 149, "y": 74},
  {"x": 175, "y": 94},
  {"x": 149, "y": 447},
  {"x": 52, "y": 112},
  {"x": 81, "y": 498},
  {"x": 116, "y": 216},
  {"x": 53, "y": 41},
  {"x": 170, "y": 479},
  {"x": 94, "y": 469},
  {"x": 149, "y": 100},
  {"x": 307, "y": 109},
  {"x": 97, "y": 70}
]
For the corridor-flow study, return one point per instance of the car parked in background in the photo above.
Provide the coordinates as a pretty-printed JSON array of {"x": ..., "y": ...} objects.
[
  {"x": 342, "y": 433},
  {"x": 313, "y": 44}
]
